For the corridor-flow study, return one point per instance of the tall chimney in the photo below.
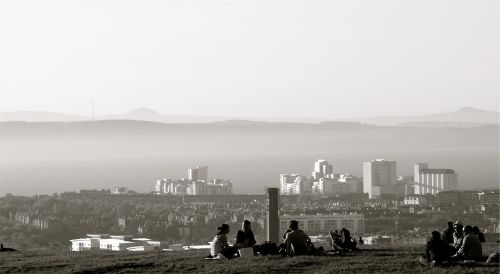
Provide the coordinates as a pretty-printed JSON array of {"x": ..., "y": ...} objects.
[{"x": 273, "y": 219}]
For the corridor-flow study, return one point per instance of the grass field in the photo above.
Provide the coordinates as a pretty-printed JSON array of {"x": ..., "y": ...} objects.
[{"x": 369, "y": 260}]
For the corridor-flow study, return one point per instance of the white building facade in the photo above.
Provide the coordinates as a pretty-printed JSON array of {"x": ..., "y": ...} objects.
[
  {"x": 432, "y": 180},
  {"x": 377, "y": 176}
]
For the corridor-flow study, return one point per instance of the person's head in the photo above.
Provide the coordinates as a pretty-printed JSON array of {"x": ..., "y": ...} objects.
[
  {"x": 293, "y": 225},
  {"x": 468, "y": 230},
  {"x": 458, "y": 226},
  {"x": 436, "y": 235},
  {"x": 223, "y": 229},
  {"x": 476, "y": 230},
  {"x": 450, "y": 224},
  {"x": 246, "y": 226}
]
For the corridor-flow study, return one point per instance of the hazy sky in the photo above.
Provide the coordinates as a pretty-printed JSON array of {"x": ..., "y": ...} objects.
[{"x": 285, "y": 58}]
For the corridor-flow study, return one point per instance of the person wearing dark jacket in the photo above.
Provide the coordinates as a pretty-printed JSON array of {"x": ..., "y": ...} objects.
[
  {"x": 471, "y": 248},
  {"x": 448, "y": 234},
  {"x": 245, "y": 236},
  {"x": 479, "y": 234},
  {"x": 297, "y": 241},
  {"x": 437, "y": 250}
]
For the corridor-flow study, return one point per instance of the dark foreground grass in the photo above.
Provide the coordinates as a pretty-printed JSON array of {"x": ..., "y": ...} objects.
[{"x": 369, "y": 260}]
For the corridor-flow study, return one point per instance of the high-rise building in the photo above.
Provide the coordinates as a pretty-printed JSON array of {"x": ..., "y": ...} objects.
[
  {"x": 378, "y": 177},
  {"x": 321, "y": 169},
  {"x": 338, "y": 184},
  {"x": 295, "y": 184},
  {"x": 433, "y": 180},
  {"x": 196, "y": 184},
  {"x": 198, "y": 173}
]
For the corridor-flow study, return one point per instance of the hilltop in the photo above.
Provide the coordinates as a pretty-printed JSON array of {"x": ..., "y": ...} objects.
[{"x": 370, "y": 260}]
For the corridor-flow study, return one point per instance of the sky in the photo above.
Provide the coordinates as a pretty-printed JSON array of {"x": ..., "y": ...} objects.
[{"x": 240, "y": 58}]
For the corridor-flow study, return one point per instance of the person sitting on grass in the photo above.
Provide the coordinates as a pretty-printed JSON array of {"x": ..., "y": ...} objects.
[
  {"x": 219, "y": 248},
  {"x": 448, "y": 234},
  {"x": 347, "y": 242},
  {"x": 458, "y": 234},
  {"x": 343, "y": 241},
  {"x": 471, "y": 248},
  {"x": 297, "y": 241},
  {"x": 245, "y": 236},
  {"x": 479, "y": 234},
  {"x": 437, "y": 251}
]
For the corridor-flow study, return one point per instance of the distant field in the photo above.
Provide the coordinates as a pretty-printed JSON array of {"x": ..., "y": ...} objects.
[{"x": 369, "y": 260}]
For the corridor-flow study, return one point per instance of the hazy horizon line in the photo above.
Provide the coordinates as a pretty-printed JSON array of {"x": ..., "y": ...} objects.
[{"x": 90, "y": 117}]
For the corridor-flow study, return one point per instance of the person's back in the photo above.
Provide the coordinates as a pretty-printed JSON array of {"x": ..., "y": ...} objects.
[
  {"x": 297, "y": 243},
  {"x": 218, "y": 244},
  {"x": 448, "y": 234},
  {"x": 471, "y": 248},
  {"x": 437, "y": 250},
  {"x": 245, "y": 239}
]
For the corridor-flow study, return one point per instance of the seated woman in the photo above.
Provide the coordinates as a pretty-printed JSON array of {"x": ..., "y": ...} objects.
[
  {"x": 245, "y": 236},
  {"x": 219, "y": 246}
]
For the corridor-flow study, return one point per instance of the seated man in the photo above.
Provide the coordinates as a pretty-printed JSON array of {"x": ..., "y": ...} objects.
[
  {"x": 297, "y": 242},
  {"x": 437, "y": 251},
  {"x": 458, "y": 235},
  {"x": 471, "y": 248}
]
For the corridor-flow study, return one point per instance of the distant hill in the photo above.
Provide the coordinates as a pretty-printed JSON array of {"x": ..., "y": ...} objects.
[
  {"x": 464, "y": 115},
  {"x": 437, "y": 124},
  {"x": 145, "y": 114}
]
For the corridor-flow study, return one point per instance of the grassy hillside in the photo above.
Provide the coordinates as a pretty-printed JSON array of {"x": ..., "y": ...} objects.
[{"x": 370, "y": 260}]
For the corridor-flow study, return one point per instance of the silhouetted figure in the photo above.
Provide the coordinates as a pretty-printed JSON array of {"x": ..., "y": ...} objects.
[
  {"x": 437, "y": 251},
  {"x": 479, "y": 234},
  {"x": 297, "y": 241},
  {"x": 245, "y": 236},
  {"x": 448, "y": 234},
  {"x": 336, "y": 240},
  {"x": 360, "y": 241},
  {"x": 343, "y": 241},
  {"x": 6, "y": 249},
  {"x": 471, "y": 248},
  {"x": 458, "y": 234},
  {"x": 347, "y": 242}
]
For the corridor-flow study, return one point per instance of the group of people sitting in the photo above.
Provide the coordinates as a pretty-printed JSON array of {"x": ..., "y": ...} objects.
[
  {"x": 220, "y": 248},
  {"x": 458, "y": 243},
  {"x": 295, "y": 242}
]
